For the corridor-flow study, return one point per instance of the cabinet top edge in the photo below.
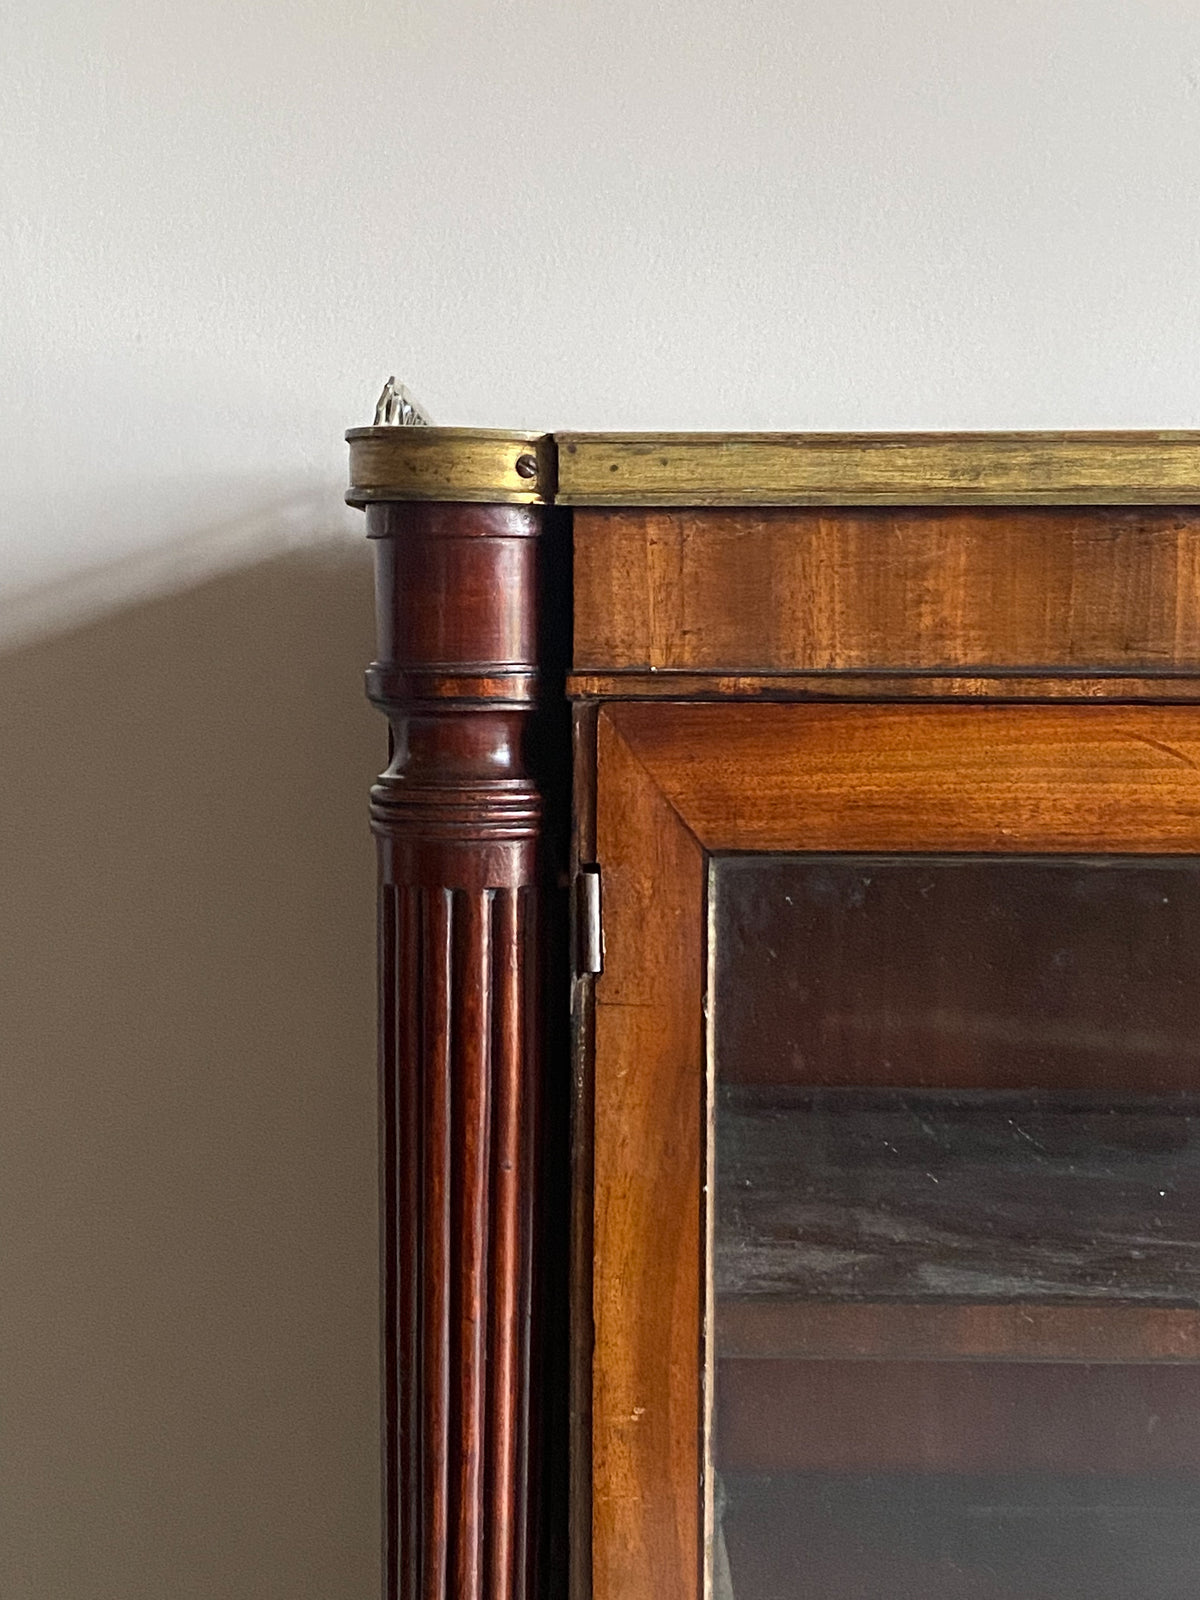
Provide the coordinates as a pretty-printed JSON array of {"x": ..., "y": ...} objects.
[
  {"x": 878, "y": 468},
  {"x": 764, "y": 469}
]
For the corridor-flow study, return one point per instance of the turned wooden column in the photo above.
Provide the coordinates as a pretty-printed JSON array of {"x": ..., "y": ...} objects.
[{"x": 458, "y": 821}]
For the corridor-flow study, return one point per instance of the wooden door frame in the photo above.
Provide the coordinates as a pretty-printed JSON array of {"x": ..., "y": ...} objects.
[{"x": 676, "y": 784}]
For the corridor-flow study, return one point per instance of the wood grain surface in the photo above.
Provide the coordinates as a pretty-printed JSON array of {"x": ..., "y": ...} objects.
[
  {"x": 930, "y": 777},
  {"x": 883, "y": 687},
  {"x": 648, "y": 1270},
  {"x": 762, "y": 591}
]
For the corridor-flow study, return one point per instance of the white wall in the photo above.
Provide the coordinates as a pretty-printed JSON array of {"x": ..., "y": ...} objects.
[
  {"x": 221, "y": 226},
  {"x": 224, "y": 223}
]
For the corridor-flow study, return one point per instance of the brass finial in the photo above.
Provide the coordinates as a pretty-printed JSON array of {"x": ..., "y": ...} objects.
[{"x": 397, "y": 408}]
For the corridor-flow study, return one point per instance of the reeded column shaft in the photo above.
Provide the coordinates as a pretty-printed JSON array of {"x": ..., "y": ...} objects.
[{"x": 458, "y": 821}]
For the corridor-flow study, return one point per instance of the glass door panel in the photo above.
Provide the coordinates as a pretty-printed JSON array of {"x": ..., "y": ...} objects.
[{"x": 955, "y": 1243}]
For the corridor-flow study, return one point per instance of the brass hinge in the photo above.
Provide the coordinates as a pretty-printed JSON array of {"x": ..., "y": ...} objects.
[{"x": 589, "y": 930}]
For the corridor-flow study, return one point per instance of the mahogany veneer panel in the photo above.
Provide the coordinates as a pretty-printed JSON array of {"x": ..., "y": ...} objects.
[
  {"x": 649, "y": 1087},
  {"x": 881, "y": 686},
  {"x": 803, "y": 589},
  {"x": 924, "y": 778}
]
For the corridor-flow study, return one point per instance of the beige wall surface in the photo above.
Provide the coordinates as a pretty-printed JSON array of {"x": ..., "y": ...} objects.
[
  {"x": 187, "y": 1142},
  {"x": 221, "y": 226}
]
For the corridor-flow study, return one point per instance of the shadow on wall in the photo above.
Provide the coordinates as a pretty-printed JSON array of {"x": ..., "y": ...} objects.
[{"x": 188, "y": 1305}]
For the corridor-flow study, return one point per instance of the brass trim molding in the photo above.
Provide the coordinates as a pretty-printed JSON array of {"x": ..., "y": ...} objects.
[
  {"x": 798, "y": 469},
  {"x": 463, "y": 464},
  {"x": 772, "y": 469}
]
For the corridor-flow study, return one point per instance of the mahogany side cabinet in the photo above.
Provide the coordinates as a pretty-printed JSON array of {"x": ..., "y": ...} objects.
[{"x": 789, "y": 941}]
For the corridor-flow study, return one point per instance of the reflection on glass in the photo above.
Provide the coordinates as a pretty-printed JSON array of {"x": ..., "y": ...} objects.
[{"x": 956, "y": 1243}]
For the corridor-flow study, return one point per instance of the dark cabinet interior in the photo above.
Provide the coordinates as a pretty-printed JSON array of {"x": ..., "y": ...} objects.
[{"x": 956, "y": 1252}]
